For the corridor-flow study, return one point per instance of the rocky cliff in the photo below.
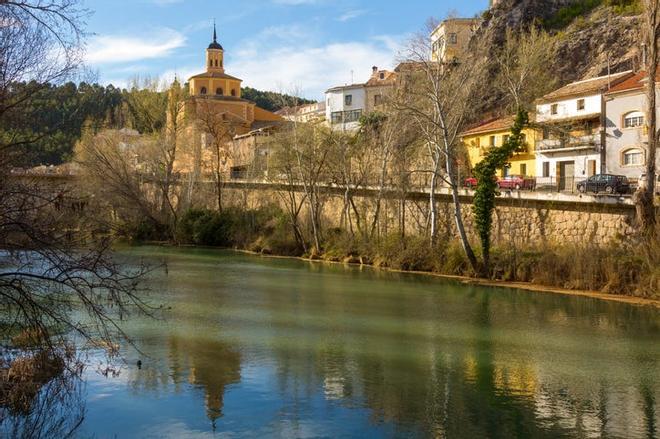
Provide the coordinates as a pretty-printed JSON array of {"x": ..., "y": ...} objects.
[{"x": 589, "y": 34}]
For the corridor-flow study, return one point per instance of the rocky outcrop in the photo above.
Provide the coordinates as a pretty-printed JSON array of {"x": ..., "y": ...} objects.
[{"x": 586, "y": 45}]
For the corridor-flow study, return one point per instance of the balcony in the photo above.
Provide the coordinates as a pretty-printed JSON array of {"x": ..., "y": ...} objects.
[{"x": 571, "y": 143}]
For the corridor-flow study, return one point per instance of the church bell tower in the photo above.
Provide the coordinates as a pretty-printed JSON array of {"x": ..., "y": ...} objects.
[{"x": 215, "y": 55}]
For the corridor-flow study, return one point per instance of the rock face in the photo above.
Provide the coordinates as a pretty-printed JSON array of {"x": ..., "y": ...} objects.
[{"x": 584, "y": 46}]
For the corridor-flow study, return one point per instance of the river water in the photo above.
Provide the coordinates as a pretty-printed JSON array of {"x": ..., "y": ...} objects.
[{"x": 256, "y": 347}]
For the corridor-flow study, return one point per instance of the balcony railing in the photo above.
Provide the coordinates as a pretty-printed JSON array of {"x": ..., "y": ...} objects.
[{"x": 591, "y": 141}]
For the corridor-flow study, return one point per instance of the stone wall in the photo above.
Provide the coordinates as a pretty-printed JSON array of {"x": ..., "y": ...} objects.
[{"x": 544, "y": 219}]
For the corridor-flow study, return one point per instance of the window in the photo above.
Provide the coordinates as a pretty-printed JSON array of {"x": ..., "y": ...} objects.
[
  {"x": 546, "y": 169},
  {"x": 505, "y": 138},
  {"x": 382, "y": 75},
  {"x": 336, "y": 117},
  {"x": 633, "y": 157},
  {"x": 348, "y": 100},
  {"x": 554, "y": 109},
  {"x": 378, "y": 99},
  {"x": 580, "y": 104},
  {"x": 233, "y": 92},
  {"x": 492, "y": 141},
  {"x": 202, "y": 91},
  {"x": 523, "y": 169},
  {"x": 546, "y": 133},
  {"x": 219, "y": 91},
  {"x": 633, "y": 119},
  {"x": 453, "y": 38},
  {"x": 352, "y": 116},
  {"x": 216, "y": 63}
]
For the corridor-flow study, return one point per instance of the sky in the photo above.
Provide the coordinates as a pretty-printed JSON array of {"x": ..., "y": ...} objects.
[{"x": 294, "y": 46}]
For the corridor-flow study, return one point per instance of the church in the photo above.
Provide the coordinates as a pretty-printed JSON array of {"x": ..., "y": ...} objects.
[{"x": 219, "y": 118}]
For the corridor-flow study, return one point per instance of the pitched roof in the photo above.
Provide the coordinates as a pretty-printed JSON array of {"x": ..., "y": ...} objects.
[
  {"x": 589, "y": 86},
  {"x": 216, "y": 75},
  {"x": 636, "y": 82},
  {"x": 388, "y": 79},
  {"x": 500, "y": 124}
]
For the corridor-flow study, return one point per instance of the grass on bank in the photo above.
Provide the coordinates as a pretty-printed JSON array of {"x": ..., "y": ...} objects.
[{"x": 618, "y": 268}]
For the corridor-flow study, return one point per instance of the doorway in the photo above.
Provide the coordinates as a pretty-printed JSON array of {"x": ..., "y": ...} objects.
[{"x": 566, "y": 175}]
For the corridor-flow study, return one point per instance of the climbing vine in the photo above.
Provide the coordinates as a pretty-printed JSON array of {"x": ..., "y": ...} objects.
[{"x": 485, "y": 172}]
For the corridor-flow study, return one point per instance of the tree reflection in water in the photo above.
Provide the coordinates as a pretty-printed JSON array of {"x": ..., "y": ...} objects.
[{"x": 56, "y": 412}]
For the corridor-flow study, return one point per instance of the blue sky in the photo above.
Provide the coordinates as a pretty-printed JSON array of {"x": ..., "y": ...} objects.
[{"x": 281, "y": 45}]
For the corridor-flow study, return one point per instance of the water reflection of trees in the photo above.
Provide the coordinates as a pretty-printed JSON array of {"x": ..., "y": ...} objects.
[
  {"x": 56, "y": 411},
  {"x": 482, "y": 388}
]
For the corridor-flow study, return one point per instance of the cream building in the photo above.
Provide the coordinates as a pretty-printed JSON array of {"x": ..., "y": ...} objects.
[{"x": 451, "y": 39}]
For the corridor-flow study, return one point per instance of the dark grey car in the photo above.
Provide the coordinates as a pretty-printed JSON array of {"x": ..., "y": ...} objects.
[{"x": 608, "y": 183}]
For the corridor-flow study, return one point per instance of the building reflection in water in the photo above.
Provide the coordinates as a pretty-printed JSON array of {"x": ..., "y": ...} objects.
[{"x": 210, "y": 365}]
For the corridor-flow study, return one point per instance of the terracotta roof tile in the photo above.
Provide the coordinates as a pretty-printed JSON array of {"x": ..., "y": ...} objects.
[
  {"x": 633, "y": 83},
  {"x": 502, "y": 123},
  {"x": 589, "y": 86}
]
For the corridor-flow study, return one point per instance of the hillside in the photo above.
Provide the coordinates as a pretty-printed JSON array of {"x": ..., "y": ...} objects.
[{"x": 588, "y": 34}]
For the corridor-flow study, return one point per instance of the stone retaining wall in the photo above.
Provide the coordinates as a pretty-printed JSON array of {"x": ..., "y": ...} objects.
[{"x": 516, "y": 220}]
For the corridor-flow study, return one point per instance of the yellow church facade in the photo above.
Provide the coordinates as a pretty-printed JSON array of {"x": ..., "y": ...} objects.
[
  {"x": 215, "y": 108},
  {"x": 493, "y": 133}
]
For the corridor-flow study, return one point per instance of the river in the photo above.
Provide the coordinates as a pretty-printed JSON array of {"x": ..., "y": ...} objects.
[{"x": 257, "y": 347}]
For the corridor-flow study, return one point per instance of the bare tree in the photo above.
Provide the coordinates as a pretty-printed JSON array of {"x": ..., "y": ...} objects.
[
  {"x": 522, "y": 64},
  {"x": 439, "y": 98},
  {"x": 40, "y": 44},
  {"x": 218, "y": 129},
  {"x": 116, "y": 168},
  {"x": 645, "y": 197}
]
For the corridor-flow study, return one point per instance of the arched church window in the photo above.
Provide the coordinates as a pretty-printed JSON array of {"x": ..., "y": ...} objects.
[
  {"x": 216, "y": 63},
  {"x": 203, "y": 91},
  {"x": 233, "y": 92},
  {"x": 219, "y": 91}
]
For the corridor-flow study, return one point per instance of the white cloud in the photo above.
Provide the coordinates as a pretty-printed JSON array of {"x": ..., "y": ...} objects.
[
  {"x": 111, "y": 49},
  {"x": 350, "y": 15},
  {"x": 310, "y": 70}
]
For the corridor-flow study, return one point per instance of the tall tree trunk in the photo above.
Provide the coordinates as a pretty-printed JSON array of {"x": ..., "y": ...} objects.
[{"x": 645, "y": 200}]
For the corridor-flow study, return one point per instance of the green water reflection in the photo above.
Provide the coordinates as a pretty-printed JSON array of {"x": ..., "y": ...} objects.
[{"x": 262, "y": 347}]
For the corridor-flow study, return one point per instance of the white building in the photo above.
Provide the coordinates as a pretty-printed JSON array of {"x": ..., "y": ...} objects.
[
  {"x": 344, "y": 106},
  {"x": 627, "y": 133},
  {"x": 571, "y": 147},
  {"x": 309, "y": 113}
]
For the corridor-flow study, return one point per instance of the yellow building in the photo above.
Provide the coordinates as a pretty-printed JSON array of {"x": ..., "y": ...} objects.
[
  {"x": 493, "y": 133},
  {"x": 216, "y": 91},
  {"x": 215, "y": 108}
]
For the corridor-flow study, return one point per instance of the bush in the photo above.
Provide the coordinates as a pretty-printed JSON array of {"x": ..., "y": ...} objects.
[{"x": 205, "y": 227}]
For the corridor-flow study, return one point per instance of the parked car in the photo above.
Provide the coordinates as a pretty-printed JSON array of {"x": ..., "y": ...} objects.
[
  {"x": 516, "y": 182},
  {"x": 470, "y": 182},
  {"x": 608, "y": 183},
  {"x": 642, "y": 182}
]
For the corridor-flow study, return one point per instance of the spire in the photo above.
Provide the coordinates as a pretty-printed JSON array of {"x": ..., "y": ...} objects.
[{"x": 215, "y": 45}]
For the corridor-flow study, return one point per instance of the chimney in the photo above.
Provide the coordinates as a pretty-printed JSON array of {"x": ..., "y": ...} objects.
[{"x": 374, "y": 70}]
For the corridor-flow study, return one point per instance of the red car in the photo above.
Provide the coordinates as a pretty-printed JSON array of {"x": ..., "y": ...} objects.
[
  {"x": 515, "y": 182},
  {"x": 470, "y": 182}
]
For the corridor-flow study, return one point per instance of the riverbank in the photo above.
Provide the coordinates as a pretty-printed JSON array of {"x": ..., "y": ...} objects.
[
  {"x": 627, "y": 267},
  {"x": 631, "y": 300}
]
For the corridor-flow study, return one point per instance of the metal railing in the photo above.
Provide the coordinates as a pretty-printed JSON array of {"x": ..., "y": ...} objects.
[{"x": 591, "y": 141}]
